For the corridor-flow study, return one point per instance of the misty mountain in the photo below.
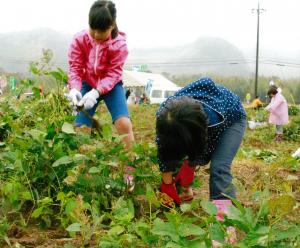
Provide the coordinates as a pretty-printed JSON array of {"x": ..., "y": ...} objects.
[
  {"x": 205, "y": 55},
  {"x": 17, "y": 49}
]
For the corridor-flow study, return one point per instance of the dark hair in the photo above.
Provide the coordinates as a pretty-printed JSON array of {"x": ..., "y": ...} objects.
[
  {"x": 103, "y": 15},
  {"x": 182, "y": 128},
  {"x": 272, "y": 91}
]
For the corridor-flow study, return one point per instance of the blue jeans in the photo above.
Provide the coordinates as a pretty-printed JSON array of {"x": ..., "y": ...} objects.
[
  {"x": 279, "y": 129},
  {"x": 220, "y": 181},
  {"x": 115, "y": 101}
]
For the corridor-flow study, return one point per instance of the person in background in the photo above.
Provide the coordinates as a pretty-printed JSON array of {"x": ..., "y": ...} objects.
[
  {"x": 272, "y": 84},
  {"x": 256, "y": 103},
  {"x": 132, "y": 97},
  {"x": 144, "y": 99},
  {"x": 203, "y": 122},
  {"x": 96, "y": 59},
  {"x": 41, "y": 89},
  {"x": 278, "y": 109},
  {"x": 248, "y": 98},
  {"x": 127, "y": 93}
]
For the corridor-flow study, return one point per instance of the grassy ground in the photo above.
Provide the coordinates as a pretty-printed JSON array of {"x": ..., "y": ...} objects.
[{"x": 261, "y": 164}]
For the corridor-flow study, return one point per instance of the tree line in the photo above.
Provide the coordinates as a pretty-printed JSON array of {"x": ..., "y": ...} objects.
[{"x": 243, "y": 85}]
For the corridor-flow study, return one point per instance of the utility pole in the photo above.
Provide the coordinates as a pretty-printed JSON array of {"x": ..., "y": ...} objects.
[{"x": 258, "y": 11}]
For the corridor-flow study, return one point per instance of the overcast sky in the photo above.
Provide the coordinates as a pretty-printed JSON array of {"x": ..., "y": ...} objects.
[{"x": 156, "y": 23}]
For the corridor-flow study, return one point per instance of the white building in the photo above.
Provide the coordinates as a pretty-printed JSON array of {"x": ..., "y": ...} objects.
[{"x": 156, "y": 86}]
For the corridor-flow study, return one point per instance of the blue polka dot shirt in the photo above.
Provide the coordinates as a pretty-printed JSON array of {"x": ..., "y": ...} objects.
[{"x": 222, "y": 108}]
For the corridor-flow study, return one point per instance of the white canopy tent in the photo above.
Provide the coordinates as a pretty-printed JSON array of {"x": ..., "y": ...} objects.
[
  {"x": 137, "y": 81},
  {"x": 133, "y": 79}
]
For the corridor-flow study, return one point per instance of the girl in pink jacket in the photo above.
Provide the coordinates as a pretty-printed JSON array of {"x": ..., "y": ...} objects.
[
  {"x": 278, "y": 109},
  {"x": 96, "y": 59}
]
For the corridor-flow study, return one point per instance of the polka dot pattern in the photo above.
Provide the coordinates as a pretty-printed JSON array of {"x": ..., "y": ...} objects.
[{"x": 215, "y": 99}]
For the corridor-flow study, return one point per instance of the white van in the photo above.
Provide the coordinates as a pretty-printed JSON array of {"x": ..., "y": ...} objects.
[{"x": 159, "y": 95}]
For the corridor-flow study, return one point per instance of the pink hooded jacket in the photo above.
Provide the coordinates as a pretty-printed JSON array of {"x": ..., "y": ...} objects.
[
  {"x": 98, "y": 64},
  {"x": 278, "y": 109}
]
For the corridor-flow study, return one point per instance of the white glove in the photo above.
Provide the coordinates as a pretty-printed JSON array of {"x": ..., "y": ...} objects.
[
  {"x": 296, "y": 153},
  {"x": 89, "y": 99},
  {"x": 74, "y": 96}
]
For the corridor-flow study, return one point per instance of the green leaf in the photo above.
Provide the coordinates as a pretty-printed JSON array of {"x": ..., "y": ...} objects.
[
  {"x": 189, "y": 229},
  {"x": 216, "y": 233},
  {"x": 79, "y": 157},
  {"x": 290, "y": 233},
  {"x": 70, "y": 206},
  {"x": 57, "y": 75},
  {"x": 238, "y": 205},
  {"x": 26, "y": 195},
  {"x": 234, "y": 214},
  {"x": 46, "y": 201},
  {"x": 165, "y": 229},
  {"x": 239, "y": 219},
  {"x": 60, "y": 196},
  {"x": 196, "y": 244},
  {"x": 196, "y": 183},
  {"x": 249, "y": 217},
  {"x": 62, "y": 160},
  {"x": 129, "y": 238},
  {"x": 123, "y": 210},
  {"x": 37, "y": 134},
  {"x": 151, "y": 197},
  {"x": 252, "y": 239},
  {"x": 37, "y": 212},
  {"x": 173, "y": 245},
  {"x": 142, "y": 229},
  {"x": 18, "y": 164},
  {"x": 2, "y": 144},
  {"x": 209, "y": 207},
  {"x": 94, "y": 170},
  {"x": 109, "y": 243},
  {"x": 107, "y": 132},
  {"x": 75, "y": 227},
  {"x": 116, "y": 230},
  {"x": 68, "y": 128},
  {"x": 263, "y": 230},
  {"x": 36, "y": 91},
  {"x": 185, "y": 207}
]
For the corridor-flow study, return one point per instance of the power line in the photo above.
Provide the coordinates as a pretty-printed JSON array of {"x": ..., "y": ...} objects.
[
  {"x": 176, "y": 62},
  {"x": 179, "y": 63}
]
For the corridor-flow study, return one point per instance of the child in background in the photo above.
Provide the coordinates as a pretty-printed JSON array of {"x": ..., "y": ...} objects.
[
  {"x": 256, "y": 103},
  {"x": 278, "y": 109},
  {"x": 272, "y": 84},
  {"x": 96, "y": 59},
  {"x": 203, "y": 122},
  {"x": 127, "y": 93},
  {"x": 248, "y": 98}
]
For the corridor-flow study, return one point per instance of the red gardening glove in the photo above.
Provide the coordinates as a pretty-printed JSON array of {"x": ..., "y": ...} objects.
[
  {"x": 170, "y": 190},
  {"x": 185, "y": 175}
]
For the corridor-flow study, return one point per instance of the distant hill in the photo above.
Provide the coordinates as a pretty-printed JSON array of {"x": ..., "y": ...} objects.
[
  {"x": 17, "y": 49},
  {"x": 205, "y": 55}
]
